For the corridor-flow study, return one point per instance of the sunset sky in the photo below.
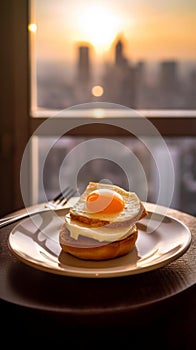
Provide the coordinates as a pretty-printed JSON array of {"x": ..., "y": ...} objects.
[{"x": 152, "y": 30}]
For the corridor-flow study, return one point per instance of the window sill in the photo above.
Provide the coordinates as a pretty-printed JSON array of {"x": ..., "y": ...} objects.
[{"x": 113, "y": 122}]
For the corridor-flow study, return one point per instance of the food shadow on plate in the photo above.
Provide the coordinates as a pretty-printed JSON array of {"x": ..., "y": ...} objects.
[{"x": 127, "y": 261}]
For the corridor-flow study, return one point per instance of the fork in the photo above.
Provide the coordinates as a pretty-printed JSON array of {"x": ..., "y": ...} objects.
[{"x": 56, "y": 203}]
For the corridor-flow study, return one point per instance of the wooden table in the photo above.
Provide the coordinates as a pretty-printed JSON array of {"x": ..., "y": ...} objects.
[{"x": 123, "y": 310}]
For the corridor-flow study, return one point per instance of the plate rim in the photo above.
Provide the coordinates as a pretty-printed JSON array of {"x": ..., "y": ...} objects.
[{"x": 104, "y": 274}]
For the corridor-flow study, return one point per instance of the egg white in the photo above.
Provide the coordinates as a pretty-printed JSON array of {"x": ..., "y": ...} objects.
[{"x": 100, "y": 234}]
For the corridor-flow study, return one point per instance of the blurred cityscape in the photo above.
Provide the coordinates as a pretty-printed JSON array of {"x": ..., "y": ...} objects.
[
  {"x": 172, "y": 85},
  {"x": 138, "y": 85},
  {"x": 67, "y": 163}
]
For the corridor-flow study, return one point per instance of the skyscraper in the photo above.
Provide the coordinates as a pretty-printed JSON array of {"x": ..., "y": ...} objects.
[
  {"x": 169, "y": 75},
  {"x": 120, "y": 59},
  {"x": 83, "y": 64},
  {"x": 169, "y": 85},
  {"x": 119, "y": 78},
  {"x": 82, "y": 88}
]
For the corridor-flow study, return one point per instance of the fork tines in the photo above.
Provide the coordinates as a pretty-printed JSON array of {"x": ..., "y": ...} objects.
[{"x": 65, "y": 194}]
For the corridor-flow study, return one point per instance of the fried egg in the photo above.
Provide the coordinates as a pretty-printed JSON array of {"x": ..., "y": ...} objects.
[
  {"x": 104, "y": 201},
  {"x": 107, "y": 202}
]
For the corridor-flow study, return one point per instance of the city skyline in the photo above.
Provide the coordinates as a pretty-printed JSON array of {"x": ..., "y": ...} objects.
[
  {"x": 151, "y": 35},
  {"x": 164, "y": 30},
  {"x": 122, "y": 81},
  {"x": 185, "y": 66}
]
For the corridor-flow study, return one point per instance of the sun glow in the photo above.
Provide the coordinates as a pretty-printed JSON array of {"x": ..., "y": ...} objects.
[{"x": 99, "y": 26}]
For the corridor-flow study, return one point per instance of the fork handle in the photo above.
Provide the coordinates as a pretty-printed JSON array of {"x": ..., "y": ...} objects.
[
  {"x": 8, "y": 217},
  {"x": 18, "y": 217}
]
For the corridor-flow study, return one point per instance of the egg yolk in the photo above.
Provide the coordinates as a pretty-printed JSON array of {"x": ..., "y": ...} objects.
[{"x": 104, "y": 201}]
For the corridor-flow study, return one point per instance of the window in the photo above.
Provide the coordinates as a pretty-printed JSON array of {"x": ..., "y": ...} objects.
[
  {"x": 139, "y": 54},
  {"x": 132, "y": 55}
]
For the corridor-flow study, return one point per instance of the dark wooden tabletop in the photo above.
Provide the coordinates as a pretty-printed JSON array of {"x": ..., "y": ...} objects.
[{"x": 162, "y": 300}]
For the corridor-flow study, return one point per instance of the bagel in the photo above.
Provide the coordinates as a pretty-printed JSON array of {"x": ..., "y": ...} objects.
[{"x": 89, "y": 249}]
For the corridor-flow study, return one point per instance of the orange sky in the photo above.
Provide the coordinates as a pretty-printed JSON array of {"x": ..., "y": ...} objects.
[{"x": 152, "y": 30}]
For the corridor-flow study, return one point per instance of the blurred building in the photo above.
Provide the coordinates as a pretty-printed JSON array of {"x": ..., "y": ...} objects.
[
  {"x": 83, "y": 79},
  {"x": 119, "y": 79},
  {"x": 120, "y": 59},
  {"x": 168, "y": 75},
  {"x": 168, "y": 85},
  {"x": 191, "y": 90},
  {"x": 83, "y": 64}
]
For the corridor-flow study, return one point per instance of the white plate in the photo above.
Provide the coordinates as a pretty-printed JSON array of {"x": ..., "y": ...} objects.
[{"x": 161, "y": 240}]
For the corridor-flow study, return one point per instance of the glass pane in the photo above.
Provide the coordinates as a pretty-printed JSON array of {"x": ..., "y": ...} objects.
[
  {"x": 140, "y": 54},
  {"x": 68, "y": 161}
]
